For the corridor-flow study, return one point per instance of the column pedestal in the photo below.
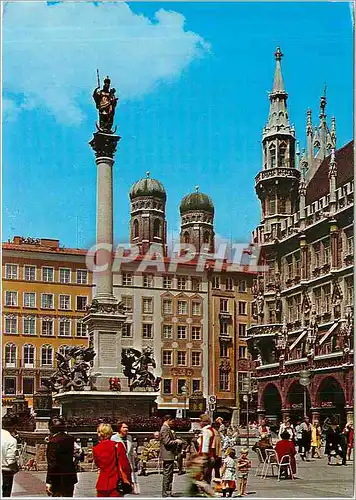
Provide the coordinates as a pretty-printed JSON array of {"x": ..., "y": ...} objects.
[{"x": 104, "y": 323}]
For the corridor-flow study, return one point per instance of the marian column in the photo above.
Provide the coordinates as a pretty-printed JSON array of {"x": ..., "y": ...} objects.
[{"x": 105, "y": 315}]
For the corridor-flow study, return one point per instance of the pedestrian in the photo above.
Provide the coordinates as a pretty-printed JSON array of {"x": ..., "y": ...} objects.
[
  {"x": 286, "y": 447},
  {"x": 229, "y": 440},
  {"x": 114, "y": 478},
  {"x": 206, "y": 446},
  {"x": 263, "y": 444},
  {"x": 61, "y": 470},
  {"x": 263, "y": 428},
  {"x": 229, "y": 473},
  {"x": 217, "y": 446},
  {"x": 286, "y": 427},
  {"x": 221, "y": 427},
  {"x": 78, "y": 454},
  {"x": 316, "y": 439},
  {"x": 349, "y": 431},
  {"x": 332, "y": 441},
  {"x": 243, "y": 468},
  {"x": 197, "y": 486},
  {"x": 149, "y": 452},
  {"x": 306, "y": 438},
  {"x": 299, "y": 436},
  {"x": 9, "y": 464},
  {"x": 342, "y": 450},
  {"x": 169, "y": 446},
  {"x": 122, "y": 436}
]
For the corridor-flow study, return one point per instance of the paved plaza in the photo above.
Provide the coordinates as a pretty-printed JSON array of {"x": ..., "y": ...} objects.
[{"x": 315, "y": 479}]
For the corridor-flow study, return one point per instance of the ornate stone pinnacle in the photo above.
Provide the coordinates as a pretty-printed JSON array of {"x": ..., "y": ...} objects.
[
  {"x": 148, "y": 173},
  {"x": 197, "y": 189}
]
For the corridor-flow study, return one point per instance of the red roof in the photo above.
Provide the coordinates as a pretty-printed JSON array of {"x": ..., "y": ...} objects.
[
  {"x": 42, "y": 249},
  {"x": 319, "y": 184}
]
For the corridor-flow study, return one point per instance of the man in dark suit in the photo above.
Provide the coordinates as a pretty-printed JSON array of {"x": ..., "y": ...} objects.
[
  {"x": 168, "y": 450},
  {"x": 61, "y": 473}
]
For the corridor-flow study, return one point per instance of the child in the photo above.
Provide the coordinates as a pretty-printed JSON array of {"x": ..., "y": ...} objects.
[
  {"x": 228, "y": 472},
  {"x": 243, "y": 467}
]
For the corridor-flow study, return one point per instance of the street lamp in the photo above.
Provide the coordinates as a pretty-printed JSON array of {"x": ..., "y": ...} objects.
[
  {"x": 185, "y": 391},
  {"x": 246, "y": 387},
  {"x": 304, "y": 380}
]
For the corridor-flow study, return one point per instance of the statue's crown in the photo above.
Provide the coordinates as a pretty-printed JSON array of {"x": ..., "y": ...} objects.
[{"x": 107, "y": 80}]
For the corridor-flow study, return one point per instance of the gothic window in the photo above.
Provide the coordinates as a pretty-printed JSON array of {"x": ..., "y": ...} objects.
[
  {"x": 272, "y": 156},
  {"x": 135, "y": 228},
  {"x": 157, "y": 228},
  {"x": 186, "y": 237},
  {"x": 282, "y": 206},
  {"x": 282, "y": 154},
  {"x": 206, "y": 237},
  {"x": 272, "y": 206}
]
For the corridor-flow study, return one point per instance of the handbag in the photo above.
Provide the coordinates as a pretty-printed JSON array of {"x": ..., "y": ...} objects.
[{"x": 121, "y": 486}]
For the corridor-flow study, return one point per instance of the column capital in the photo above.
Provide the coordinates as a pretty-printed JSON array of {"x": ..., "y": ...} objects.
[{"x": 104, "y": 145}]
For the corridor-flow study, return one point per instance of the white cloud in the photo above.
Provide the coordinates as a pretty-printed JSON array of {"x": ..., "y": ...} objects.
[{"x": 51, "y": 52}]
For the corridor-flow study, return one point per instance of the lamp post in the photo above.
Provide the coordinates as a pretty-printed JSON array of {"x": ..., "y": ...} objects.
[
  {"x": 304, "y": 380},
  {"x": 246, "y": 386},
  {"x": 185, "y": 392}
]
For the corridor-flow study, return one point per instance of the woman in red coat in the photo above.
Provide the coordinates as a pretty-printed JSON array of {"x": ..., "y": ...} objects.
[
  {"x": 111, "y": 459},
  {"x": 286, "y": 447}
]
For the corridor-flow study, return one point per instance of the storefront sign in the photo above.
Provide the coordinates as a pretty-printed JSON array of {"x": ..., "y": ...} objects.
[
  {"x": 296, "y": 406},
  {"x": 197, "y": 405},
  {"x": 327, "y": 404}
]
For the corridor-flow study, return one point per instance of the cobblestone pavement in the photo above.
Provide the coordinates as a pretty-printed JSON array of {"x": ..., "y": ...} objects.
[{"x": 315, "y": 479}]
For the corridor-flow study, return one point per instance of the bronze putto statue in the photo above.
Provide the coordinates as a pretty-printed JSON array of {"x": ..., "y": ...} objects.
[{"x": 106, "y": 102}]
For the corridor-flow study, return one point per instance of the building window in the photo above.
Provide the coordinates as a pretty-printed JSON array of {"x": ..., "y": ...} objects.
[
  {"x": 224, "y": 381},
  {"x": 29, "y": 325},
  {"x": 11, "y": 271},
  {"x": 167, "y": 306},
  {"x": 242, "y": 286},
  {"x": 243, "y": 308},
  {"x": 349, "y": 292},
  {"x": 147, "y": 330},
  {"x": 167, "y": 357},
  {"x": 46, "y": 355},
  {"x": 135, "y": 228},
  {"x": 229, "y": 283},
  {"x": 224, "y": 305},
  {"x": 350, "y": 245},
  {"x": 81, "y": 329},
  {"x": 224, "y": 328},
  {"x": 167, "y": 281},
  {"x": 317, "y": 300},
  {"x": 224, "y": 350},
  {"x": 167, "y": 332},
  {"x": 10, "y": 298},
  {"x": 181, "y": 358},
  {"x": 242, "y": 352},
  {"x": 64, "y": 328},
  {"x": 297, "y": 264},
  {"x": 10, "y": 386},
  {"x": 316, "y": 248},
  {"x": 167, "y": 386},
  {"x": 126, "y": 279},
  {"x": 271, "y": 312},
  {"x": 28, "y": 356},
  {"x": 64, "y": 302},
  {"x": 182, "y": 307},
  {"x": 148, "y": 280},
  {"x": 157, "y": 228},
  {"x": 327, "y": 299},
  {"x": 47, "y": 301},
  {"x": 272, "y": 156},
  {"x": 127, "y": 303},
  {"x": 216, "y": 282},
  {"x": 196, "y": 284},
  {"x": 326, "y": 252},
  {"x": 47, "y": 274},
  {"x": 82, "y": 303},
  {"x": 196, "y": 308},
  {"x": 290, "y": 309},
  {"x": 196, "y": 333},
  {"x": 29, "y": 299},
  {"x": 11, "y": 324},
  {"x": 47, "y": 327},
  {"x": 82, "y": 277},
  {"x": 147, "y": 305},
  {"x": 29, "y": 273},
  {"x": 28, "y": 385},
  {"x": 64, "y": 275},
  {"x": 180, "y": 384},
  {"x": 242, "y": 330},
  {"x": 196, "y": 358},
  {"x": 196, "y": 385},
  {"x": 182, "y": 282},
  {"x": 10, "y": 355},
  {"x": 126, "y": 330},
  {"x": 182, "y": 332},
  {"x": 271, "y": 206},
  {"x": 290, "y": 273}
]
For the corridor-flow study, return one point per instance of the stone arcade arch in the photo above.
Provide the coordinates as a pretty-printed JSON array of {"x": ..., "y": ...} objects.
[
  {"x": 330, "y": 398},
  {"x": 295, "y": 401},
  {"x": 272, "y": 403}
]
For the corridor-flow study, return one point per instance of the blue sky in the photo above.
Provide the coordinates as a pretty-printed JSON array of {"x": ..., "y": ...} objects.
[{"x": 193, "y": 82}]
